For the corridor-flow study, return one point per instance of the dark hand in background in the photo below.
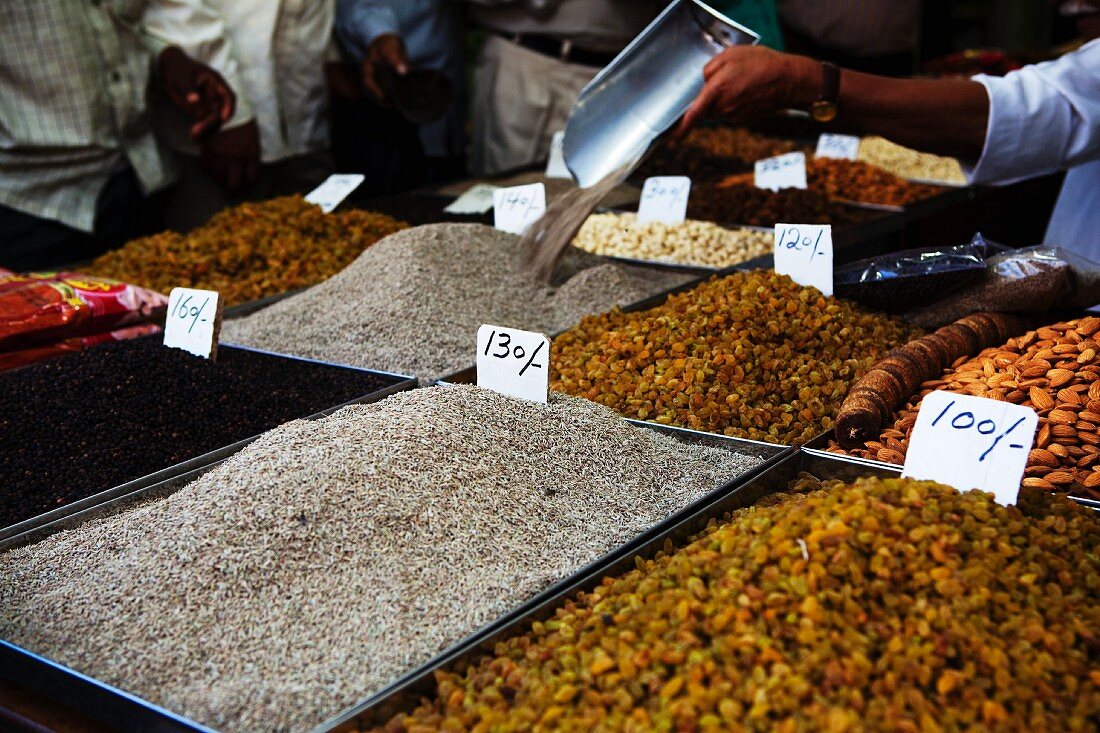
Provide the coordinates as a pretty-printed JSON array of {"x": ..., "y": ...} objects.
[
  {"x": 232, "y": 157},
  {"x": 386, "y": 53},
  {"x": 196, "y": 89}
]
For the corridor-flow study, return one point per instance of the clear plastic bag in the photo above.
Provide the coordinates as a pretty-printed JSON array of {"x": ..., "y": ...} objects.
[{"x": 893, "y": 281}]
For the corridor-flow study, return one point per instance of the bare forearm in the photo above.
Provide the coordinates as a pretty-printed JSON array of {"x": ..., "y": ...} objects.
[{"x": 943, "y": 116}]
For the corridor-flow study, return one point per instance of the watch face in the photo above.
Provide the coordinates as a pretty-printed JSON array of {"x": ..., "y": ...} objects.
[{"x": 823, "y": 111}]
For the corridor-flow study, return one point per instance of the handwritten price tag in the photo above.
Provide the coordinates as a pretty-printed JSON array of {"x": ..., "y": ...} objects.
[
  {"x": 335, "y": 189},
  {"x": 518, "y": 207},
  {"x": 831, "y": 145},
  {"x": 664, "y": 199},
  {"x": 555, "y": 164},
  {"x": 193, "y": 322},
  {"x": 971, "y": 443},
  {"x": 514, "y": 363},
  {"x": 784, "y": 171},
  {"x": 478, "y": 199},
  {"x": 804, "y": 252}
]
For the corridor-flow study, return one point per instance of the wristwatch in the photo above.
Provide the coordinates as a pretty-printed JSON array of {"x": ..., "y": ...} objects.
[{"x": 824, "y": 108}]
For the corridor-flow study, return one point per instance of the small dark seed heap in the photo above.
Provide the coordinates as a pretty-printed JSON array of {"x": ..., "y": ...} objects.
[
  {"x": 81, "y": 424},
  {"x": 883, "y": 605},
  {"x": 753, "y": 206},
  {"x": 752, "y": 355}
]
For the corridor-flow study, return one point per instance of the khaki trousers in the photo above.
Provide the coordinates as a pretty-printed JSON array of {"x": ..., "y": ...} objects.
[{"x": 521, "y": 98}]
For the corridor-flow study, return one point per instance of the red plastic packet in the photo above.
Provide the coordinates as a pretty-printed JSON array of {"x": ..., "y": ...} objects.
[
  {"x": 23, "y": 357},
  {"x": 44, "y": 308}
]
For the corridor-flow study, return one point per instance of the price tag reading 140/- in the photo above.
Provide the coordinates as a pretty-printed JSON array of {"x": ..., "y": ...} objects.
[
  {"x": 971, "y": 443},
  {"x": 518, "y": 207},
  {"x": 193, "y": 321},
  {"x": 513, "y": 362},
  {"x": 804, "y": 253}
]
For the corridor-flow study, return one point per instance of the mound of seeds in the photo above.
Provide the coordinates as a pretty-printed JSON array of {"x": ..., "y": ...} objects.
[
  {"x": 1054, "y": 370},
  {"x": 688, "y": 243},
  {"x": 90, "y": 421},
  {"x": 879, "y": 605},
  {"x": 413, "y": 302},
  {"x": 251, "y": 250},
  {"x": 330, "y": 557},
  {"x": 752, "y": 354},
  {"x": 907, "y": 163}
]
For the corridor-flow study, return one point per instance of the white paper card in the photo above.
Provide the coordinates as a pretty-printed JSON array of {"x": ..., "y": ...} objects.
[
  {"x": 193, "y": 321},
  {"x": 804, "y": 252},
  {"x": 831, "y": 145},
  {"x": 518, "y": 207},
  {"x": 478, "y": 199},
  {"x": 555, "y": 164},
  {"x": 783, "y": 171},
  {"x": 513, "y": 362},
  {"x": 334, "y": 190},
  {"x": 664, "y": 199},
  {"x": 971, "y": 443}
]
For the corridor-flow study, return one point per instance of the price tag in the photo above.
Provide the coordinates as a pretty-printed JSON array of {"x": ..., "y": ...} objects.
[
  {"x": 830, "y": 145},
  {"x": 334, "y": 190},
  {"x": 518, "y": 207},
  {"x": 193, "y": 321},
  {"x": 478, "y": 199},
  {"x": 804, "y": 252},
  {"x": 514, "y": 363},
  {"x": 784, "y": 171},
  {"x": 555, "y": 165},
  {"x": 664, "y": 199},
  {"x": 971, "y": 443}
]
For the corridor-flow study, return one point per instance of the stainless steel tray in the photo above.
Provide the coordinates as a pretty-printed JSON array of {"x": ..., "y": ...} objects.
[
  {"x": 404, "y": 693},
  {"x": 35, "y": 528},
  {"x": 130, "y": 712}
]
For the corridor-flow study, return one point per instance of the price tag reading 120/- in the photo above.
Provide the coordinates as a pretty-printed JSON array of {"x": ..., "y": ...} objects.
[
  {"x": 971, "y": 443},
  {"x": 784, "y": 171},
  {"x": 193, "y": 321},
  {"x": 513, "y": 362},
  {"x": 804, "y": 253},
  {"x": 518, "y": 207}
]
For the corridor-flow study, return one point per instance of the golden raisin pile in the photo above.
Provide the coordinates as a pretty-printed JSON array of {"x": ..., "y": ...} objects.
[
  {"x": 751, "y": 354},
  {"x": 1056, "y": 371},
  {"x": 251, "y": 250},
  {"x": 882, "y": 605}
]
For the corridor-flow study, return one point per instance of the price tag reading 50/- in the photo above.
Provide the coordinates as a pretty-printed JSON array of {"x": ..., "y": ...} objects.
[
  {"x": 804, "y": 252},
  {"x": 518, "y": 207},
  {"x": 193, "y": 321},
  {"x": 971, "y": 443},
  {"x": 664, "y": 199},
  {"x": 513, "y": 362}
]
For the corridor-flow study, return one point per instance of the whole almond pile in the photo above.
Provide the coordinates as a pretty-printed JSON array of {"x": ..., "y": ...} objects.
[{"x": 1054, "y": 370}]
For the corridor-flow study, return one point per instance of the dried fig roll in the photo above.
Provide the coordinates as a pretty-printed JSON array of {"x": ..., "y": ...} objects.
[
  {"x": 904, "y": 369},
  {"x": 859, "y": 421}
]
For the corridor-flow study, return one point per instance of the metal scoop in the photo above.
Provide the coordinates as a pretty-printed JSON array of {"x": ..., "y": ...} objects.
[{"x": 645, "y": 89}]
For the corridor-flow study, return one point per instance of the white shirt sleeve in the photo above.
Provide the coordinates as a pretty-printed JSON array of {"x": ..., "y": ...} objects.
[
  {"x": 1042, "y": 118},
  {"x": 200, "y": 31}
]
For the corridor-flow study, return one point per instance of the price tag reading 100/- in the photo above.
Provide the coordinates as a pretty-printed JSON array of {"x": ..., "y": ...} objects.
[
  {"x": 513, "y": 362},
  {"x": 971, "y": 443},
  {"x": 193, "y": 321},
  {"x": 804, "y": 252},
  {"x": 518, "y": 207}
]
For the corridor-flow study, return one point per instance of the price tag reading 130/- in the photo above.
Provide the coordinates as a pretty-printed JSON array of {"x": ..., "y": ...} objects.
[
  {"x": 971, "y": 443},
  {"x": 518, "y": 207},
  {"x": 783, "y": 171},
  {"x": 664, "y": 199},
  {"x": 804, "y": 253},
  {"x": 193, "y": 321},
  {"x": 513, "y": 362}
]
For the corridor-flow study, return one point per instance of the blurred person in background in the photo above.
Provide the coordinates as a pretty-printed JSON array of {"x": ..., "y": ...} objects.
[
  {"x": 385, "y": 37},
  {"x": 78, "y": 157},
  {"x": 1033, "y": 121},
  {"x": 537, "y": 56},
  {"x": 272, "y": 53},
  {"x": 875, "y": 36}
]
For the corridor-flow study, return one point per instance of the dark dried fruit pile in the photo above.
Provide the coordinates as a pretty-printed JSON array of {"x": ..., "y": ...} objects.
[
  {"x": 883, "y": 605},
  {"x": 709, "y": 154},
  {"x": 752, "y": 355},
  {"x": 753, "y": 206},
  {"x": 81, "y": 424}
]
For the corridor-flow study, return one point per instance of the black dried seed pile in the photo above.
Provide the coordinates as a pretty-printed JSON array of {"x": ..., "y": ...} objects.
[{"x": 81, "y": 424}]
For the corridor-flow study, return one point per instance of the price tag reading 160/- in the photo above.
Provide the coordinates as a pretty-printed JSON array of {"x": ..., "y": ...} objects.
[
  {"x": 971, "y": 443},
  {"x": 193, "y": 321},
  {"x": 513, "y": 362},
  {"x": 518, "y": 207}
]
